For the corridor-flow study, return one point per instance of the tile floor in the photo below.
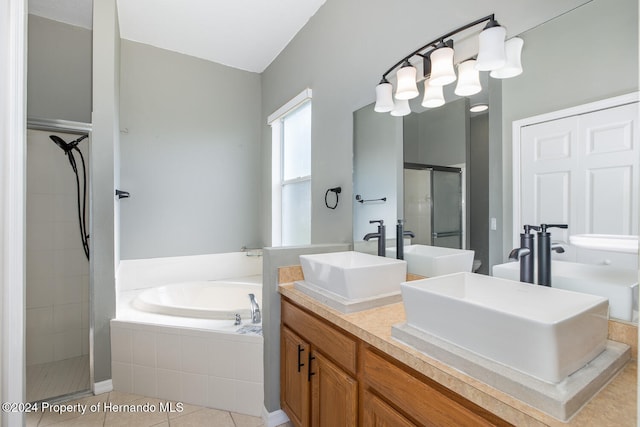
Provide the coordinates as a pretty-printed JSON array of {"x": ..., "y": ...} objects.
[{"x": 190, "y": 415}]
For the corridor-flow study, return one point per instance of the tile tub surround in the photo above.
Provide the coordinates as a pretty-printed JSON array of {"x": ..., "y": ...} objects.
[
  {"x": 614, "y": 405},
  {"x": 146, "y": 273},
  {"x": 199, "y": 367},
  {"x": 197, "y": 361}
]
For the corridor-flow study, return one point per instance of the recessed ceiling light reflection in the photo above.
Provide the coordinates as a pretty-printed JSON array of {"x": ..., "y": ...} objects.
[{"x": 478, "y": 108}]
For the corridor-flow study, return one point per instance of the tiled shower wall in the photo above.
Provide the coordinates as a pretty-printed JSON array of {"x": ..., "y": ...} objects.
[{"x": 57, "y": 294}]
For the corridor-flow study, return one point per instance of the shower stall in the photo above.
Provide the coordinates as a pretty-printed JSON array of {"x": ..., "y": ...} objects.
[
  {"x": 57, "y": 260},
  {"x": 434, "y": 204}
]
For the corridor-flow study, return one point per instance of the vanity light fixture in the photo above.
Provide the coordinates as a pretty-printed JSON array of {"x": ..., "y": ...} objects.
[
  {"x": 401, "y": 108},
  {"x": 433, "y": 95},
  {"x": 442, "y": 71},
  {"x": 513, "y": 66},
  {"x": 469, "y": 79},
  {"x": 407, "y": 87},
  {"x": 500, "y": 58},
  {"x": 384, "y": 97},
  {"x": 491, "y": 52}
]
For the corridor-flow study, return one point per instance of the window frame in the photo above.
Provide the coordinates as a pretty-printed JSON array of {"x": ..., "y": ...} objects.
[{"x": 275, "y": 120}]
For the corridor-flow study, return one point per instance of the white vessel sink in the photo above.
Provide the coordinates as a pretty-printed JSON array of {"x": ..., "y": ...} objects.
[
  {"x": 431, "y": 261},
  {"x": 544, "y": 332},
  {"x": 618, "y": 285},
  {"x": 606, "y": 242},
  {"x": 354, "y": 275}
]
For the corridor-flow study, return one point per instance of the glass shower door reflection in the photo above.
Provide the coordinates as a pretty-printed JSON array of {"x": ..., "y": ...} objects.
[
  {"x": 57, "y": 273},
  {"x": 446, "y": 217}
]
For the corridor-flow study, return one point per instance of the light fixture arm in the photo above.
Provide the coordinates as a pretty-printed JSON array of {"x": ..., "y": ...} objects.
[{"x": 490, "y": 18}]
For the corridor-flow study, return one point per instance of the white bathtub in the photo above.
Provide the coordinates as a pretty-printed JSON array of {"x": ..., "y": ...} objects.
[
  {"x": 174, "y": 335},
  {"x": 211, "y": 299}
]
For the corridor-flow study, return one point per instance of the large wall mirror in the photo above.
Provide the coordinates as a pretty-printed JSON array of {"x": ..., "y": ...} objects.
[
  {"x": 429, "y": 169},
  {"x": 399, "y": 162}
]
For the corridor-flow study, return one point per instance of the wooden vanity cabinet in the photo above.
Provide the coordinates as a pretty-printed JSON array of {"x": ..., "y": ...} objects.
[
  {"x": 398, "y": 394},
  {"x": 294, "y": 384},
  {"x": 329, "y": 378},
  {"x": 377, "y": 413},
  {"x": 317, "y": 369}
]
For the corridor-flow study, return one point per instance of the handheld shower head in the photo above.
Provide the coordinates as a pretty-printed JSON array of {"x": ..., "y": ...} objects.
[
  {"x": 60, "y": 142},
  {"x": 66, "y": 146}
]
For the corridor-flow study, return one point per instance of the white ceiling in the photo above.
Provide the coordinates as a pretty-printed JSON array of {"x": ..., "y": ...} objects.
[
  {"x": 249, "y": 34},
  {"x": 244, "y": 34}
]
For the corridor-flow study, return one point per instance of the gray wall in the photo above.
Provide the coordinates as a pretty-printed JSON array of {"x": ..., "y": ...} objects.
[
  {"x": 190, "y": 155},
  {"x": 478, "y": 197},
  {"x": 59, "y": 71},
  {"x": 341, "y": 53},
  {"x": 438, "y": 136},
  {"x": 275, "y": 258},
  {"x": 377, "y": 171},
  {"x": 580, "y": 57}
]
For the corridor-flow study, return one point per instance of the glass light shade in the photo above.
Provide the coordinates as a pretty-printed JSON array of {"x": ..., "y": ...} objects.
[
  {"x": 433, "y": 95},
  {"x": 384, "y": 98},
  {"x": 491, "y": 50},
  {"x": 402, "y": 108},
  {"x": 513, "y": 66},
  {"x": 407, "y": 88},
  {"x": 442, "y": 72},
  {"x": 468, "y": 79}
]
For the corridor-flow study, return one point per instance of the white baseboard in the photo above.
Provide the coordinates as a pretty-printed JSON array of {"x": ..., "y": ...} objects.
[
  {"x": 102, "y": 387},
  {"x": 274, "y": 419}
]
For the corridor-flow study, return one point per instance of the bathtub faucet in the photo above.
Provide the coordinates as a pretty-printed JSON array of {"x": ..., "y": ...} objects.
[{"x": 255, "y": 310}]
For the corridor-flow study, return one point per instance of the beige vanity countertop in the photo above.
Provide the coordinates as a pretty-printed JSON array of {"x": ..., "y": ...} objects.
[{"x": 614, "y": 405}]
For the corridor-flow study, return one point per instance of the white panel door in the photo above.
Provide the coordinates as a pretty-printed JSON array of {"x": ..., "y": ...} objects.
[
  {"x": 608, "y": 158},
  {"x": 547, "y": 186},
  {"x": 583, "y": 171}
]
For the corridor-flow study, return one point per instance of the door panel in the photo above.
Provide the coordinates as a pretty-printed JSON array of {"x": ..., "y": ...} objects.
[
  {"x": 417, "y": 204},
  {"x": 446, "y": 193},
  {"x": 334, "y": 395},
  {"x": 583, "y": 171},
  {"x": 377, "y": 413},
  {"x": 548, "y": 166},
  {"x": 294, "y": 385}
]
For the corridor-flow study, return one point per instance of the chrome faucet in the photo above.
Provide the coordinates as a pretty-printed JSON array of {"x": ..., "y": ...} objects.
[
  {"x": 380, "y": 235},
  {"x": 255, "y": 309}
]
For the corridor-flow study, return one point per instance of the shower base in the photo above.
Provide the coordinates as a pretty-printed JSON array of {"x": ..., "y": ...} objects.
[{"x": 53, "y": 379}]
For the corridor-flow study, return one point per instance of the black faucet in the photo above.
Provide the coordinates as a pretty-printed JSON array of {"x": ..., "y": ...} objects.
[
  {"x": 381, "y": 235},
  {"x": 400, "y": 234},
  {"x": 525, "y": 254},
  {"x": 545, "y": 247}
]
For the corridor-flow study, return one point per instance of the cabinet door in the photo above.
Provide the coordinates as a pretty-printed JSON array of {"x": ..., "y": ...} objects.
[
  {"x": 334, "y": 395},
  {"x": 377, "y": 413},
  {"x": 294, "y": 382}
]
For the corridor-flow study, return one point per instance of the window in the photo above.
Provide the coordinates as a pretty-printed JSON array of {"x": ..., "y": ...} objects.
[{"x": 291, "y": 172}]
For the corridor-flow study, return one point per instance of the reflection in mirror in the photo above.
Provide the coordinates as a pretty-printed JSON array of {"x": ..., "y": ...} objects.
[
  {"x": 397, "y": 157},
  {"x": 488, "y": 224},
  {"x": 433, "y": 203},
  {"x": 377, "y": 165}
]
